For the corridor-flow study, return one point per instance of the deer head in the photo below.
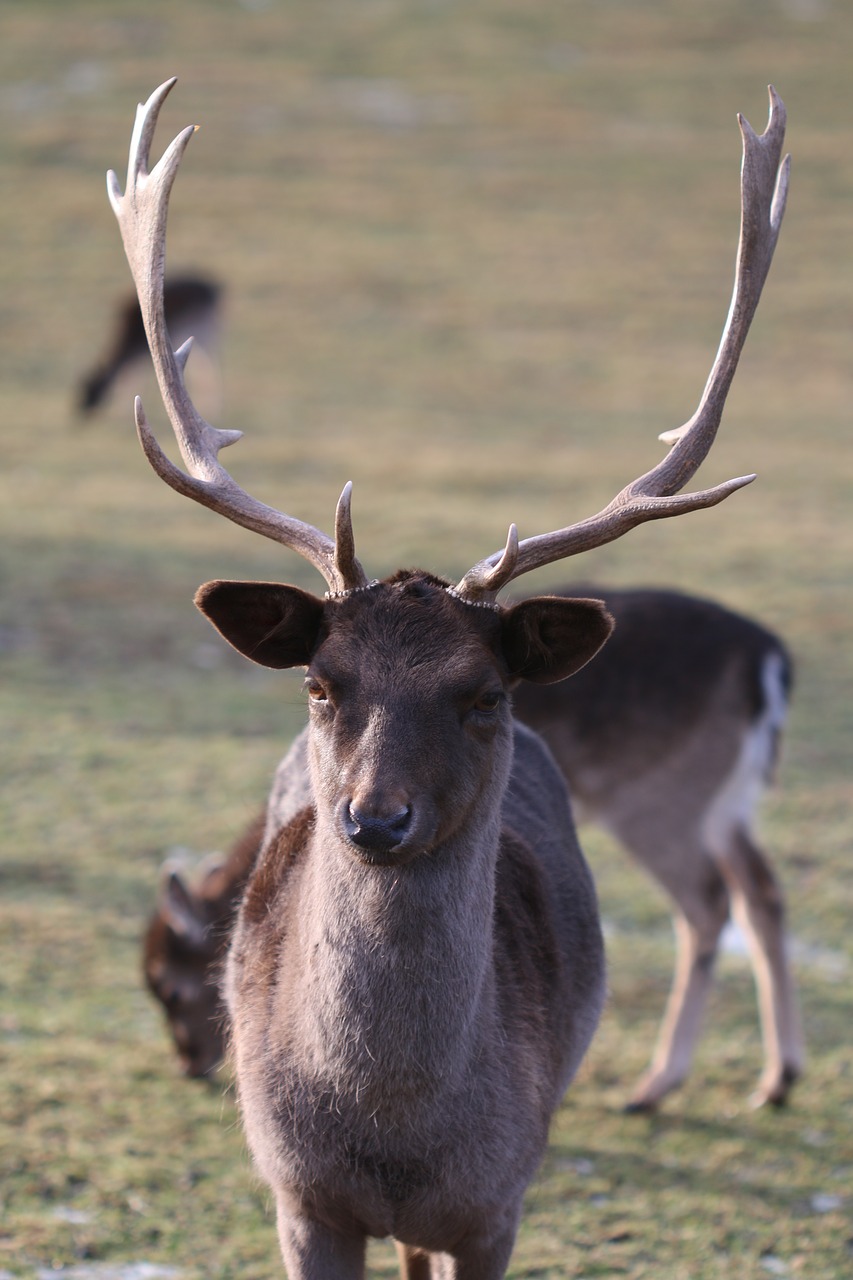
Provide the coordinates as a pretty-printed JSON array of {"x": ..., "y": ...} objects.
[
  {"x": 184, "y": 945},
  {"x": 182, "y": 950},
  {"x": 411, "y": 726}
]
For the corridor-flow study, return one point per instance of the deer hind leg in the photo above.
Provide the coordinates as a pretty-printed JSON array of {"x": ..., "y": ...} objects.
[
  {"x": 758, "y": 907},
  {"x": 702, "y": 909},
  {"x": 414, "y": 1263},
  {"x": 757, "y": 900}
]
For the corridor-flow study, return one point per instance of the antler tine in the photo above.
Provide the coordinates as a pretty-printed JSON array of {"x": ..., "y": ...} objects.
[
  {"x": 142, "y": 213},
  {"x": 764, "y": 189}
]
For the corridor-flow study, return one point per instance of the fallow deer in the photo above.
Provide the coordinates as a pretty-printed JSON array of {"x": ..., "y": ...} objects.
[
  {"x": 192, "y": 305},
  {"x": 417, "y": 967},
  {"x": 667, "y": 739},
  {"x": 187, "y": 935},
  {"x": 185, "y": 943}
]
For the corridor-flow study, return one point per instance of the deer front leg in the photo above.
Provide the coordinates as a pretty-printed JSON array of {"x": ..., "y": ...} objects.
[{"x": 313, "y": 1251}]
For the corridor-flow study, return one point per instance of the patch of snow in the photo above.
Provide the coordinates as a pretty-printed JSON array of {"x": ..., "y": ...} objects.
[
  {"x": 824, "y": 1202},
  {"x": 77, "y": 1217},
  {"x": 776, "y": 1266},
  {"x": 110, "y": 1271}
]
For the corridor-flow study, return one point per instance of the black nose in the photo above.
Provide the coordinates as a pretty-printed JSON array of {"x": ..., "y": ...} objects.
[{"x": 376, "y": 834}]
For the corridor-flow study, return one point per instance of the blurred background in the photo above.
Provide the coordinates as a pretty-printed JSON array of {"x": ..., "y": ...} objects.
[{"x": 475, "y": 256}]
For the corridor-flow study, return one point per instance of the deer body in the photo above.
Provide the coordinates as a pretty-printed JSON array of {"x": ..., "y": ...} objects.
[{"x": 409, "y": 1007}]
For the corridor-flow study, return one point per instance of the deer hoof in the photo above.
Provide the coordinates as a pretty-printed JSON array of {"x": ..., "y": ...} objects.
[{"x": 775, "y": 1092}]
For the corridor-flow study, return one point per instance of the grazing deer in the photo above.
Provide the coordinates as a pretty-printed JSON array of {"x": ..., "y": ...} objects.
[
  {"x": 417, "y": 967},
  {"x": 188, "y": 934},
  {"x": 192, "y": 306},
  {"x": 667, "y": 739},
  {"x": 185, "y": 943}
]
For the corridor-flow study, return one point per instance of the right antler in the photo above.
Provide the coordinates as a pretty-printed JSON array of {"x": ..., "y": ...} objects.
[
  {"x": 764, "y": 189},
  {"x": 141, "y": 214}
]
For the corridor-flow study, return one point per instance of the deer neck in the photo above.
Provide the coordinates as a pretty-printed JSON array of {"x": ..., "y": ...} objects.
[{"x": 395, "y": 965}]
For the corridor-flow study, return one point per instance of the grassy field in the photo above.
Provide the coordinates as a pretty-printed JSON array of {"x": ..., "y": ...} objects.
[{"x": 477, "y": 256}]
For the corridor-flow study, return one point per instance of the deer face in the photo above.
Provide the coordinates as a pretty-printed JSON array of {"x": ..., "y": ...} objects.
[
  {"x": 408, "y": 690},
  {"x": 410, "y": 717}
]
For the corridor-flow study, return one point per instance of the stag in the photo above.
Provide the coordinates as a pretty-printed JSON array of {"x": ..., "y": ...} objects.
[
  {"x": 668, "y": 740},
  {"x": 417, "y": 967}
]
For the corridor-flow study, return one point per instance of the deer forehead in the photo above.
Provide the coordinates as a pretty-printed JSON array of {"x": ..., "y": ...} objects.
[{"x": 412, "y": 640}]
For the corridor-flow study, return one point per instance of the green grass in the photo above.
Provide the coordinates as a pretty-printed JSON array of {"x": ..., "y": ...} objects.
[{"x": 477, "y": 256}]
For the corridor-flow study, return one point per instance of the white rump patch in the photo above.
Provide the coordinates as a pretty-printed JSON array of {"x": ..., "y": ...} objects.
[{"x": 735, "y": 804}]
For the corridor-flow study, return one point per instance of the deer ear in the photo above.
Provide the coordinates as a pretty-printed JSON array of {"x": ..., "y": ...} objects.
[
  {"x": 179, "y": 910},
  {"x": 274, "y": 625},
  {"x": 548, "y": 638}
]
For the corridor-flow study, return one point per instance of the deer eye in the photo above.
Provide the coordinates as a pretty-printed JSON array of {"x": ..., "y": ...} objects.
[{"x": 488, "y": 703}]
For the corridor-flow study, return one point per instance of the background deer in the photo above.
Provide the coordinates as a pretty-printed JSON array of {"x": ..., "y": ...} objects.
[
  {"x": 192, "y": 306},
  {"x": 185, "y": 944},
  {"x": 667, "y": 739},
  {"x": 417, "y": 968}
]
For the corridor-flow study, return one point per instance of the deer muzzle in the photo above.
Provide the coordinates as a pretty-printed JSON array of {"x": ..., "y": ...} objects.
[{"x": 378, "y": 835}]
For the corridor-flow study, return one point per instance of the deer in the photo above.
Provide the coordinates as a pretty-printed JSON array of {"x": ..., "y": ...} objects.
[
  {"x": 184, "y": 945},
  {"x": 187, "y": 935},
  {"x": 417, "y": 968},
  {"x": 667, "y": 739},
  {"x": 193, "y": 306}
]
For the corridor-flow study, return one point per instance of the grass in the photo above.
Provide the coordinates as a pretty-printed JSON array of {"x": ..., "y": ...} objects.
[{"x": 477, "y": 256}]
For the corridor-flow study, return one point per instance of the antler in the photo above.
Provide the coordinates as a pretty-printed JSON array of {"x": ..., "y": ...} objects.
[
  {"x": 764, "y": 189},
  {"x": 142, "y": 213}
]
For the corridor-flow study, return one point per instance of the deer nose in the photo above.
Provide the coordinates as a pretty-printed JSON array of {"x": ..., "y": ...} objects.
[{"x": 376, "y": 833}]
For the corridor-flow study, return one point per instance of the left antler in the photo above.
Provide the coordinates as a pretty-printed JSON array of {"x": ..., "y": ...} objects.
[{"x": 142, "y": 213}]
